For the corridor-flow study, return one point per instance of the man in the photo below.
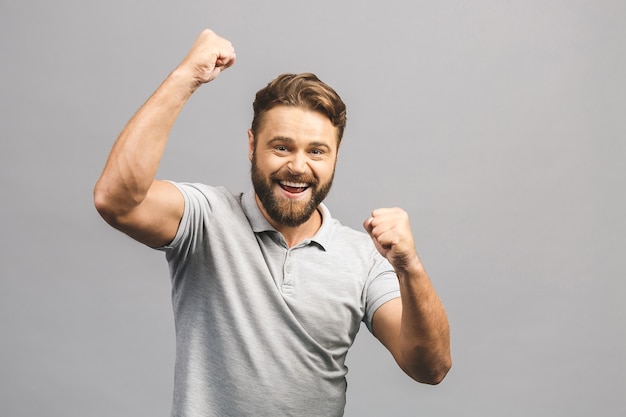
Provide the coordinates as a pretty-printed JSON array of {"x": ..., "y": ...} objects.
[{"x": 268, "y": 289}]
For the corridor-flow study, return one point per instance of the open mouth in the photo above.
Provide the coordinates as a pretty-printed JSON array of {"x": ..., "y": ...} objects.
[{"x": 294, "y": 187}]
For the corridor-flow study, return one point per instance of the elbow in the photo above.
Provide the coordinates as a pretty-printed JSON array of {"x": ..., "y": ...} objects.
[
  {"x": 106, "y": 204},
  {"x": 432, "y": 373},
  {"x": 103, "y": 203},
  {"x": 438, "y": 375}
]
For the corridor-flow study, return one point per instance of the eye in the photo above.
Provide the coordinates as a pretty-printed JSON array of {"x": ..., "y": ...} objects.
[
  {"x": 317, "y": 152},
  {"x": 281, "y": 148}
]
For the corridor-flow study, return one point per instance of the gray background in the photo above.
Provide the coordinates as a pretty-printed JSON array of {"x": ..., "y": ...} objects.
[{"x": 498, "y": 125}]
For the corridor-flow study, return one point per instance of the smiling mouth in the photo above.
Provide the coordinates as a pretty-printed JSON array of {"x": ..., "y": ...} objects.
[{"x": 293, "y": 187}]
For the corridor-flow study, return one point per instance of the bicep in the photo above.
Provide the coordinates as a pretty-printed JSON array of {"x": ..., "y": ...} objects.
[
  {"x": 155, "y": 220},
  {"x": 386, "y": 324}
]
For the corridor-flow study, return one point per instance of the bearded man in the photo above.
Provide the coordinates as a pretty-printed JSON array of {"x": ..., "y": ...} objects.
[{"x": 268, "y": 289}]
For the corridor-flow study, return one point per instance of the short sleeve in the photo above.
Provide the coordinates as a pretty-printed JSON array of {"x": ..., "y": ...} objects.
[
  {"x": 383, "y": 287},
  {"x": 200, "y": 201}
]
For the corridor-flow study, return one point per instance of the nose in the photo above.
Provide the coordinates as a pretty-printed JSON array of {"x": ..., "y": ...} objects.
[{"x": 297, "y": 163}]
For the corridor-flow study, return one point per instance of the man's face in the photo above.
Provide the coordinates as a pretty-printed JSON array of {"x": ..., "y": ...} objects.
[{"x": 293, "y": 163}]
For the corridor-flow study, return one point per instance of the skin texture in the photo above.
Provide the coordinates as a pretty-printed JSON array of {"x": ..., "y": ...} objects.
[{"x": 293, "y": 145}]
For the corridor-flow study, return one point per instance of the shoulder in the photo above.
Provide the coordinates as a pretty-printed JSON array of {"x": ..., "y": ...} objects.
[
  {"x": 342, "y": 235},
  {"x": 350, "y": 243},
  {"x": 346, "y": 234},
  {"x": 208, "y": 196},
  {"x": 209, "y": 211}
]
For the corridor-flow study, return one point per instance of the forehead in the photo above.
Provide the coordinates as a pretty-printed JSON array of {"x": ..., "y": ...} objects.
[{"x": 297, "y": 124}]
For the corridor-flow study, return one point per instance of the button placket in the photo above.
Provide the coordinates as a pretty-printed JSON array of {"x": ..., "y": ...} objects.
[{"x": 288, "y": 271}]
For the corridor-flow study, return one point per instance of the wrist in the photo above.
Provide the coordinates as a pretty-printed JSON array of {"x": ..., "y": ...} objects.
[
  {"x": 184, "y": 78},
  {"x": 410, "y": 267}
]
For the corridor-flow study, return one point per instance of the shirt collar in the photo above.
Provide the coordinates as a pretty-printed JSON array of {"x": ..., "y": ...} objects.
[{"x": 259, "y": 223}]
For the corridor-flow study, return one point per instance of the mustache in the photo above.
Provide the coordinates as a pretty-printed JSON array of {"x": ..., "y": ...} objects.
[{"x": 286, "y": 176}]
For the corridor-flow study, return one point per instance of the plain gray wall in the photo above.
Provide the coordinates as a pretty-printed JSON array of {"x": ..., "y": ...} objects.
[{"x": 498, "y": 125}]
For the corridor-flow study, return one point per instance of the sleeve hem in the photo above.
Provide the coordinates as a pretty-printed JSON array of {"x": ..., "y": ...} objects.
[{"x": 369, "y": 314}]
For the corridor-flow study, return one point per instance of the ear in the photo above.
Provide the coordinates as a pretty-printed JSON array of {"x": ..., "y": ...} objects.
[{"x": 250, "y": 144}]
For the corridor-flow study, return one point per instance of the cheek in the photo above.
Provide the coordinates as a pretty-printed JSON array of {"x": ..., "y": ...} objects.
[
  {"x": 330, "y": 167},
  {"x": 269, "y": 164},
  {"x": 325, "y": 172}
]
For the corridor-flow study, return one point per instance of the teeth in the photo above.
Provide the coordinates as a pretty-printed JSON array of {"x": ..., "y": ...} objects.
[{"x": 295, "y": 184}]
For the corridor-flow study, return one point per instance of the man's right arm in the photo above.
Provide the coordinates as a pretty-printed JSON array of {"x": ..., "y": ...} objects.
[{"x": 127, "y": 195}]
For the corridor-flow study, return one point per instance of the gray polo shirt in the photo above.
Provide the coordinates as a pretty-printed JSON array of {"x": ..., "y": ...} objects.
[{"x": 263, "y": 329}]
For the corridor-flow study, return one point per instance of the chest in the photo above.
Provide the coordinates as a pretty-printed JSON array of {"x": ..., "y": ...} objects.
[{"x": 323, "y": 290}]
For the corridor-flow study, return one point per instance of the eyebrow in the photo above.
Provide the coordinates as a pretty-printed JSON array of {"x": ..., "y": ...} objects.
[
  {"x": 281, "y": 139},
  {"x": 286, "y": 139}
]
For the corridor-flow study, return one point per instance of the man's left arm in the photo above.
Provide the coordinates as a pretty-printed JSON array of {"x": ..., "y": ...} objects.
[{"x": 414, "y": 327}]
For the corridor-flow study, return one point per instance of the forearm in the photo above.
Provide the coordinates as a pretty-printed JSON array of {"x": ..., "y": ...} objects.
[
  {"x": 414, "y": 328},
  {"x": 424, "y": 332},
  {"x": 134, "y": 160}
]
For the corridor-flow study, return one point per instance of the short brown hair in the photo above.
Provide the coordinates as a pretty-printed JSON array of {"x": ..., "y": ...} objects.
[{"x": 300, "y": 90}]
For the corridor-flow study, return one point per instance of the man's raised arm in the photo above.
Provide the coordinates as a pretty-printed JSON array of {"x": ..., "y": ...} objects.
[
  {"x": 415, "y": 326},
  {"x": 127, "y": 195}
]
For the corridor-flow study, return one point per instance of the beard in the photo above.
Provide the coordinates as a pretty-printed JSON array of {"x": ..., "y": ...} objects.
[{"x": 286, "y": 211}]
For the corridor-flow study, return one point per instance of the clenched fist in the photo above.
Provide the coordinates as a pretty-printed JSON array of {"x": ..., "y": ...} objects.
[
  {"x": 208, "y": 57},
  {"x": 390, "y": 230}
]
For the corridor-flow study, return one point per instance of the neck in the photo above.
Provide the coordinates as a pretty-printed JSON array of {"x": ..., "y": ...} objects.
[{"x": 308, "y": 229}]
